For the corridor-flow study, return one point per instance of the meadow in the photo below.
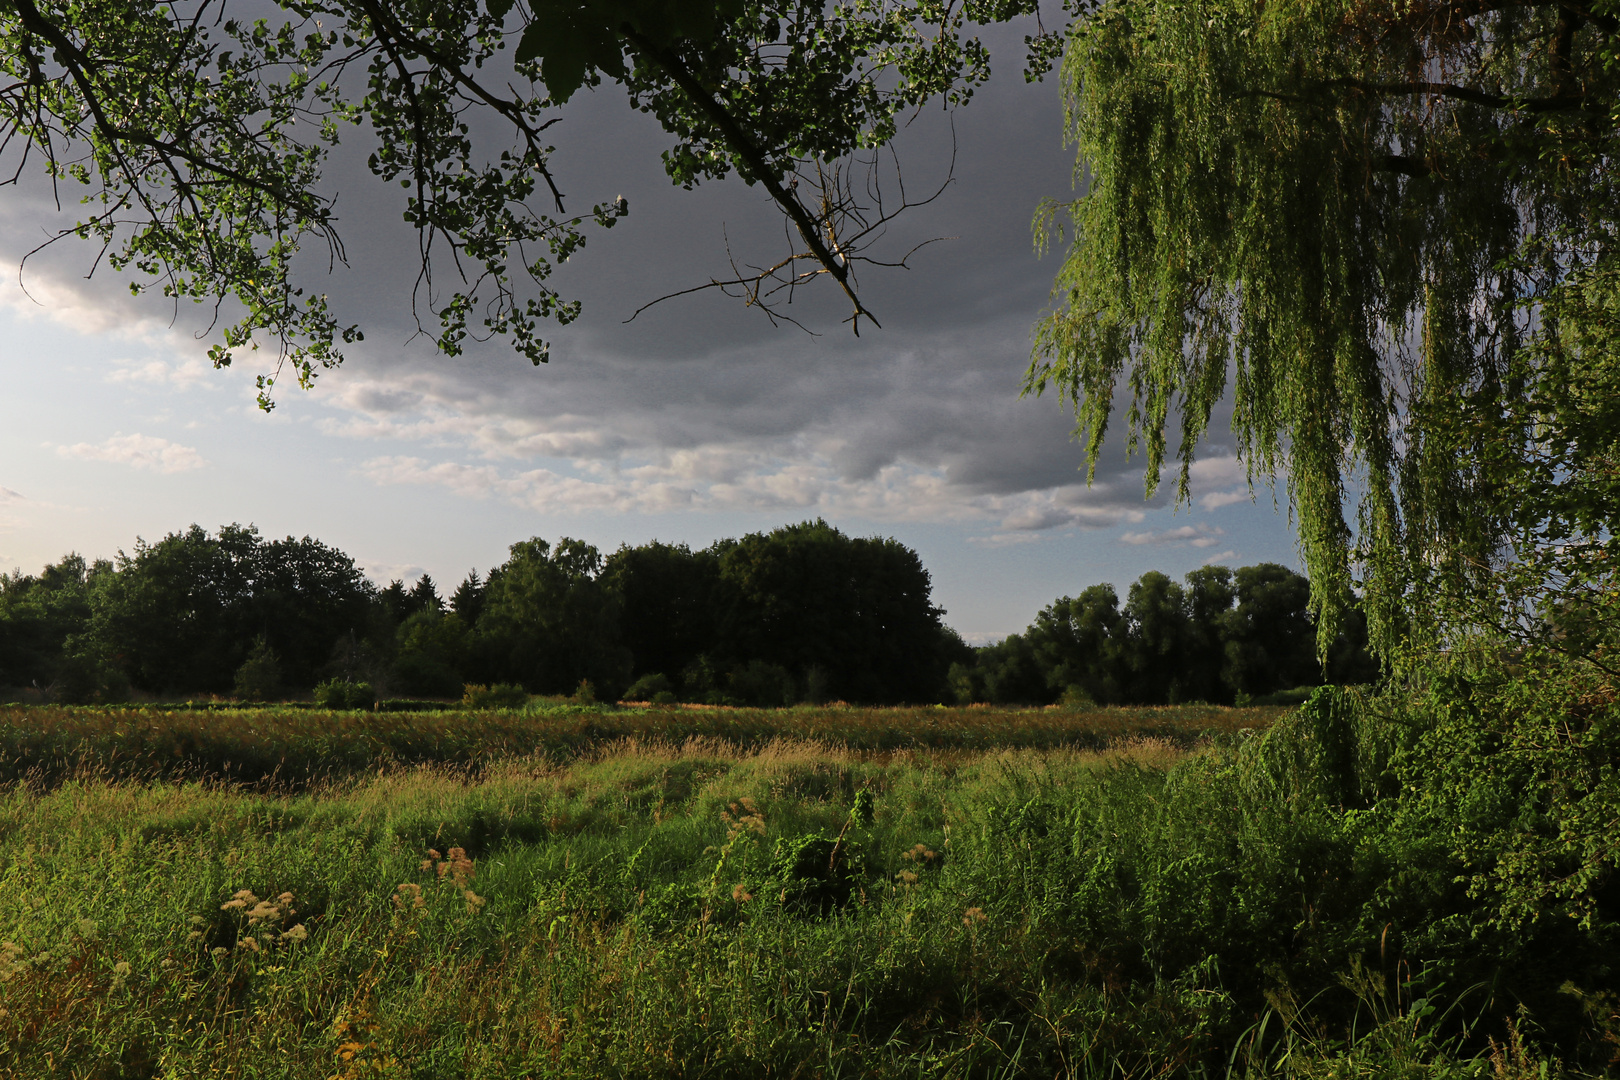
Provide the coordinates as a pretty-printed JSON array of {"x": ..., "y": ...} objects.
[{"x": 829, "y": 892}]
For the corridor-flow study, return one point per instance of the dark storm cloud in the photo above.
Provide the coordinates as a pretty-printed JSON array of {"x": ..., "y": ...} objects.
[{"x": 700, "y": 402}]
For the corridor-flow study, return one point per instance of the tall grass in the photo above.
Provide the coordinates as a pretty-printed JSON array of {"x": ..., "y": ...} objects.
[{"x": 713, "y": 907}]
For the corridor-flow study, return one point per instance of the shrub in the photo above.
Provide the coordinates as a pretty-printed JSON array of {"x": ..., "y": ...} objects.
[
  {"x": 259, "y": 677},
  {"x": 499, "y": 696},
  {"x": 649, "y": 686},
  {"x": 343, "y": 694}
]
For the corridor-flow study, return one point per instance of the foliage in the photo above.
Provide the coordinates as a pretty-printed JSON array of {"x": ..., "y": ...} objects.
[
  {"x": 182, "y": 614},
  {"x": 1222, "y": 637},
  {"x": 1285, "y": 903},
  {"x": 548, "y": 622},
  {"x": 1389, "y": 226},
  {"x": 198, "y": 134},
  {"x": 343, "y": 694},
  {"x": 259, "y": 677},
  {"x": 499, "y": 696},
  {"x": 646, "y": 686}
]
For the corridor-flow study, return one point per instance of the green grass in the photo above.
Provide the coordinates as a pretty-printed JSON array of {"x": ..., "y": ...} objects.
[{"x": 737, "y": 905}]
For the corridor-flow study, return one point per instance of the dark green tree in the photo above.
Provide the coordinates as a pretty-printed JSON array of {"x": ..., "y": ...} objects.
[
  {"x": 1080, "y": 642},
  {"x": 44, "y": 621},
  {"x": 549, "y": 622},
  {"x": 669, "y": 597},
  {"x": 1269, "y": 638},
  {"x": 1209, "y": 596},
  {"x": 181, "y": 615},
  {"x": 1156, "y": 640},
  {"x": 468, "y": 599},
  {"x": 859, "y": 609}
]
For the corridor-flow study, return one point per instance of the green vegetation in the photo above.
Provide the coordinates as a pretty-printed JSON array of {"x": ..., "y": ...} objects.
[
  {"x": 281, "y": 747},
  {"x": 1225, "y": 637},
  {"x": 800, "y": 614},
  {"x": 1371, "y": 887},
  {"x": 803, "y": 612},
  {"x": 1388, "y": 228}
]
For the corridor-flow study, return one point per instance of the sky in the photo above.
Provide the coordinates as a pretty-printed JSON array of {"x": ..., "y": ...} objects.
[{"x": 699, "y": 420}]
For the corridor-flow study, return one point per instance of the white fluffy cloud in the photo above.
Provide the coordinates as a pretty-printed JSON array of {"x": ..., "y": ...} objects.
[
  {"x": 140, "y": 452},
  {"x": 1198, "y": 536}
]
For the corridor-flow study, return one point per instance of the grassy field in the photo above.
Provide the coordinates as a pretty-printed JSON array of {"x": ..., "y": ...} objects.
[
  {"x": 804, "y": 893},
  {"x": 291, "y": 747}
]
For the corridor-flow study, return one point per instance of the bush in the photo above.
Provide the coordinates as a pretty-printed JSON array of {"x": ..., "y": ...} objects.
[
  {"x": 648, "y": 687},
  {"x": 259, "y": 677},
  {"x": 343, "y": 694},
  {"x": 499, "y": 696}
]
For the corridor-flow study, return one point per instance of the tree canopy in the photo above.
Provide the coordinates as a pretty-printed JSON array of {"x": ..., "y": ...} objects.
[
  {"x": 1388, "y": 227},
  {"x": 197, "y": 133}
]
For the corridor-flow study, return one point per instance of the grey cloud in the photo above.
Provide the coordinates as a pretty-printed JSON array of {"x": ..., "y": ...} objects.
[{"x": 701, "y": 403}]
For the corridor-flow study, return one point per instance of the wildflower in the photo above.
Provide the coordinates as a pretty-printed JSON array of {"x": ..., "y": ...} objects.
[
  {"x": 906, "y": 877},
  {"x": 743, "y": 816},
  {"x": 218, "y": 952},
  {"x": 741, "y": 894},
  {"x": 195, "y": 935},
  {"x": 198, "y": 920},
  {"x": 409, "y": 895},
  {"x": 974, "y": 916},
  {"x": 295, "y": 933},
  {"x": 166, "y": 963},
  {"x": 86, "y": 928},
  {"x": 121, "y": 969},
  {"x": 241, "y": 900},
  {"x": 474, "y": 901},
  {"x": 249, "y": 944},
  {"x": 263, "y": 911}
]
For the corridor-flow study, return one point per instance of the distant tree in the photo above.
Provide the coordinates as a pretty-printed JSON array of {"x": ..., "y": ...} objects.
[
  {"x": 177, "y": 612},
  {"x": 548, "y": 622},
  {"x": 432, "y": 655},
  {"x": 1155, "y": 645},
  {"x": 1080, "y": 641},
  {"x": 468, "y": 599},
  {"x": 861, "y": 610},
  {"x": 305, "y": 596},
  {"x": 259, "y": 677},
  {"x": 424, "y": 595},
  {"x": 40, "y": 615},
  {"x": 1209, "y": 596},
  {"x": 182, "y": 614},
  {"x": 669, "y": 600},
  {"x": 1269, "y": 637},
  {"x": 1010, "y": 673},
  {"x": 394, "y": 601}
]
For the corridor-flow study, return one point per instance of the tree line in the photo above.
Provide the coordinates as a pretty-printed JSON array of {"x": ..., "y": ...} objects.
[
  {"x": 1223, "y": 637},
  {"x": 800, "y": 613}
]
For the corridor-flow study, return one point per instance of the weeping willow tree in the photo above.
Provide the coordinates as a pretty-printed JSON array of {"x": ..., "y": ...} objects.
[{"x": 1386, "y": 228}]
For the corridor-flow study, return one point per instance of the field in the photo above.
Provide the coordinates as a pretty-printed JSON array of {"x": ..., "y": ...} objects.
[{"x": 697, "y": 892}]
